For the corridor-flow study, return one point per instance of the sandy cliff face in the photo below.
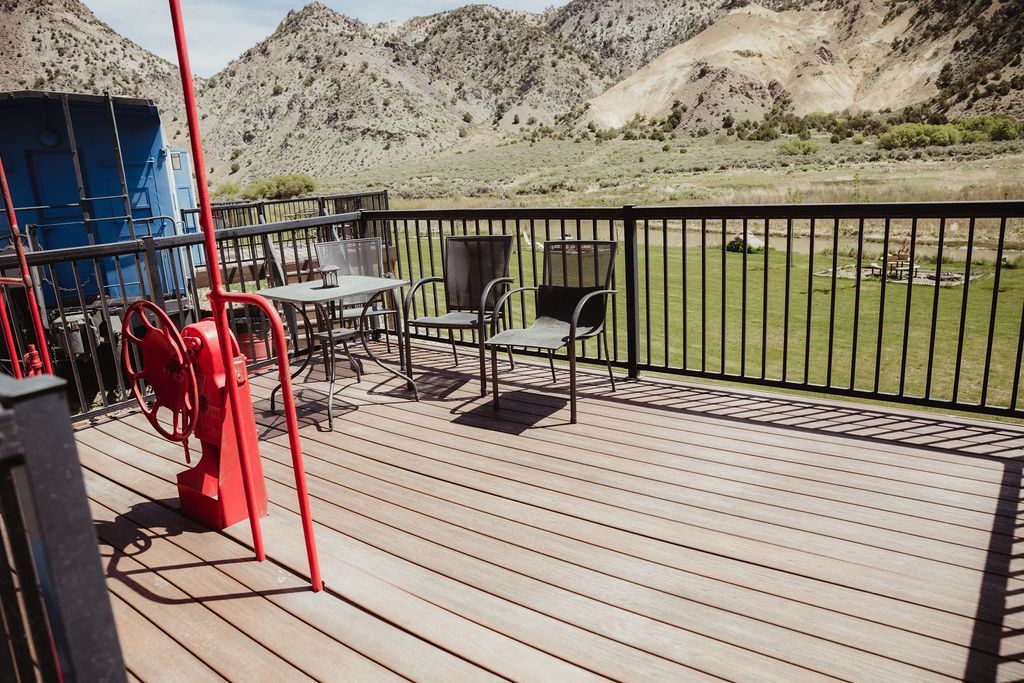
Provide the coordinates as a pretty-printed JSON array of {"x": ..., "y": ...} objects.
[{"x": 823, "y": 59}]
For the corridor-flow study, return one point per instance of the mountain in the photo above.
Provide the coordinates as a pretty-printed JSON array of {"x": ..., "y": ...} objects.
[
  {"x": 322, "y": 95},
  {"x": 830, "y": 57},
  {"x": 625, "y": 35},
  {"x": 503, "y": 64},
  {"x": 327, "y": 95},
  {"x": 61, "y": 45}
]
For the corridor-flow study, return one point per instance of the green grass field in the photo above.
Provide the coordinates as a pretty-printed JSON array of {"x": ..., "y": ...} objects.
[{"x": 664, "y": 326}]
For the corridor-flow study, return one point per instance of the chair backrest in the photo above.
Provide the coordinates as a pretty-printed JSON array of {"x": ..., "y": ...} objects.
[
  {"x": 573, "y": 269},
  {"x": 353, "y": 257},
  {"x": 470, "y": 262}
]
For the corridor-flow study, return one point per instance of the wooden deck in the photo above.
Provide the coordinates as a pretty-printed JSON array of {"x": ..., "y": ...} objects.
[{"x": 676, "y": 533}]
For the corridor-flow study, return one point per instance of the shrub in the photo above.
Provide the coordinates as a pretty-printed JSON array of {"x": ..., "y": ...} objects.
[
  {"x": 765, "y": 132},
  {"x": 978, "y": 129},
  {"x": 995, "y": 128},
  {"x": 857, "y": 139},
  {"x": 280, "y": 187},
  {"x": 234, "y": 167},
  {"x": 798, "y": 147},
  {"x": 229, "y": 189},
  {"x": 278, "y": 90}
]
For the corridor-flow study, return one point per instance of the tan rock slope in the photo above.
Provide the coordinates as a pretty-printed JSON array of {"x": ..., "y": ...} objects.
[{"x": 825, "y": 60}]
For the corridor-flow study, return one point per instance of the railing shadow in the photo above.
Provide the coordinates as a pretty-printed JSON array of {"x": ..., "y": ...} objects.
[
  {"x": 123, "y": 538},
  {"x": 971, "y": 439}
]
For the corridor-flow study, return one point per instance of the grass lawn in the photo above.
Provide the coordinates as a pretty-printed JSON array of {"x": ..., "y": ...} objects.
[{"x": 690, "y": 336}]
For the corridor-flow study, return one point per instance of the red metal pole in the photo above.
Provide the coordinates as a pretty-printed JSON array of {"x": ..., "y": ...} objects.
[
  {"x": 9, "y": 336},
  {"x": 26, "y": 274},
  {"x": 219, "y": 298}
]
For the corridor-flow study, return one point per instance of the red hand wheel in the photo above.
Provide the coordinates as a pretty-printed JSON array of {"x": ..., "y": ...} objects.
[{"x": 166, "y": 369}]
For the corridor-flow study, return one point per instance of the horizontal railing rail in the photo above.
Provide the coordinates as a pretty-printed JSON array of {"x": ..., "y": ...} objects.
[
  {"x": 242, "y": 213},
  {"x": 914, "y": 303}
]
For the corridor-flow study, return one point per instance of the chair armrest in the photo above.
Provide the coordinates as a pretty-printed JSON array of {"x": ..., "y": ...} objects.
[
  {"x": 417, "y": 285},
  {"x": 579, "y": 309},
  {"x": 500, "y": 305},
  {"x": 487, "y": 295}
]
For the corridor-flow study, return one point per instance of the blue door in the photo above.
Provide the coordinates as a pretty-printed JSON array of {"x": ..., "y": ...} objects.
[{"x": 54, "y": 184}]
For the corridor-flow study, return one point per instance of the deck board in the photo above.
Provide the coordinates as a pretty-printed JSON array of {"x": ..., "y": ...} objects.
[{"x": 678, "y": 532}]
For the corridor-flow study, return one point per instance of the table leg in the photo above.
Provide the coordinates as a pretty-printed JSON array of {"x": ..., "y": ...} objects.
[{"x": 377, "y": 361}]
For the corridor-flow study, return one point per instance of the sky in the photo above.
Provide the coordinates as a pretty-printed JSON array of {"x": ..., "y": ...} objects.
[{"x": 220, "y": 30}]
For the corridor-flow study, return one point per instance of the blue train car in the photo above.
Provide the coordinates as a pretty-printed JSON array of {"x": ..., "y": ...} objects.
[{"x": 88, "y": 169}]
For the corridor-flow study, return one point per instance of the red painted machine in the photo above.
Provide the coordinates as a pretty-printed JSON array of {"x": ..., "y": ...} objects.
[{"x": 189, "y": 385}]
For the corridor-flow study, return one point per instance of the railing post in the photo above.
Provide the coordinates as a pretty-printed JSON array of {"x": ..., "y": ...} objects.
[
  {"x": 156, "y": 288},
  {"x": 632, "y": 293},
  {"x": 321, "y": 205}
]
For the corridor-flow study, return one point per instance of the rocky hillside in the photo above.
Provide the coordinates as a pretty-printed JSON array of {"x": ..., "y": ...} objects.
[
  {"x": 820, "y": 58},
  {"x": 61, "y": 45},
  {"x": 322, "y": 95},
  {"x": 506, "y": 66},
  {"x": 624, "y": 35}
]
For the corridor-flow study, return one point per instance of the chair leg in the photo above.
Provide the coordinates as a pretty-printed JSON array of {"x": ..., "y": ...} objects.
[
  {"x": 408, "y": 350},
  {"x": 352, "y": 362},
  {"x": 455, "y": 349},
  {"x": 481, "y": 338},
  {"x": 572, "y": 381},
  {"x": 397, "y": 322},
  {"x": 329, "y": 361},
  {"x": 551, "y": 362},
  {"x": 608, "y": 358},
  {"x": 494, "y": 376},
  {"x": 511, "y": 360},
  {"x": 387, "y": 337}
]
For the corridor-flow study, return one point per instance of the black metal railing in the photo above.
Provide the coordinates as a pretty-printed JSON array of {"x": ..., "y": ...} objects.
[
  {"x": 240, "y": 214},
  {"x": 916, "y": 303},
  {"x": 54, "y": 606},
  {"x": 84, "y": 292}
]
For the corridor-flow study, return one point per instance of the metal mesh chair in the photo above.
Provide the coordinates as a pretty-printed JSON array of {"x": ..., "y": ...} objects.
[
  {"x": 358, "y": 257},
  {"x": 475, "y": 275},
  {"x": 571, "y": 305}
]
